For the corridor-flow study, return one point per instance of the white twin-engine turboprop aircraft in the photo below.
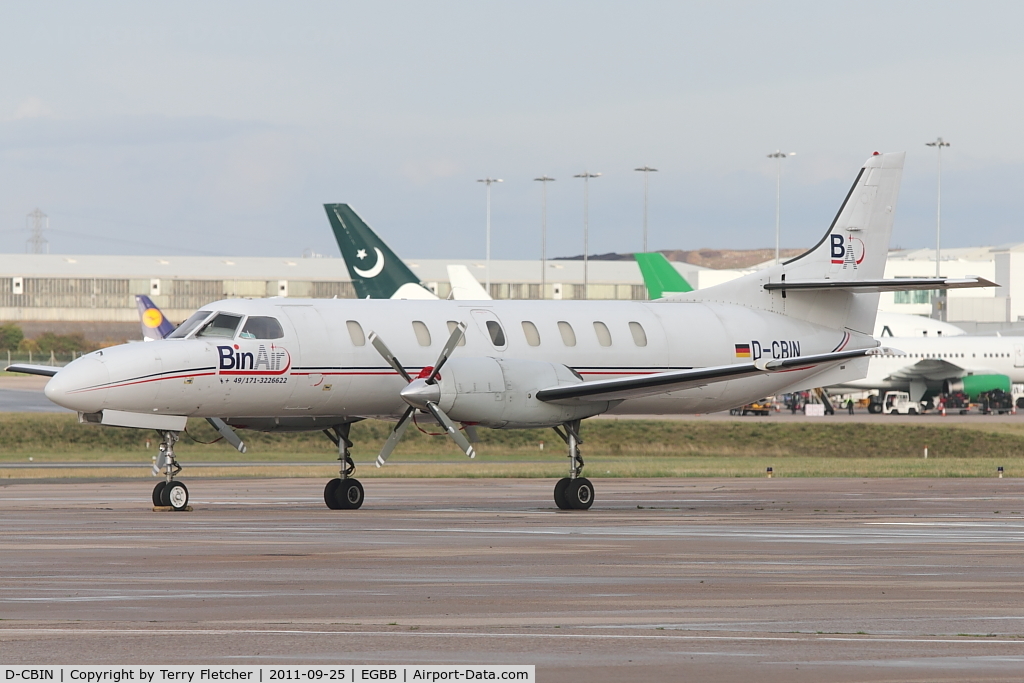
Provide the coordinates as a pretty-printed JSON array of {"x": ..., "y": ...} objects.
[{"x": 288, "y": 364}]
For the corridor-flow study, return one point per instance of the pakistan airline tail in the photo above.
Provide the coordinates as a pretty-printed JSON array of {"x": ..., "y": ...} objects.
[{"x": 376, "y": 271}]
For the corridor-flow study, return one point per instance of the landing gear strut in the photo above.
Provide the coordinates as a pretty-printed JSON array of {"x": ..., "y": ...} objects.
[
  {"x": 343, "y": 493},
  {"x": 169, "y": 493},
  {"x": 573, "y": 492}
]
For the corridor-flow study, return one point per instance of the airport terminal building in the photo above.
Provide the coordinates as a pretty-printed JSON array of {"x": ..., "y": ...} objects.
[{"x": 41, "y": 288}]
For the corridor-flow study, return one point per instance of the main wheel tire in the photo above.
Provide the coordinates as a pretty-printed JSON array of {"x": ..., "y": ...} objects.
[
  {"x": 175, "y": 494},
  {"x": 330, "y": 494},
  {"x": 350, "y": 494},
  {"x": 560, "y": 500},
  {"x": 580, "y": 494},
  {"x": 157, "y": 490},
  {"x": 874, "y": 408}
]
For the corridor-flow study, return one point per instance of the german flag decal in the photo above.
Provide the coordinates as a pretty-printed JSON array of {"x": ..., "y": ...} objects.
[{"x": 743, "y": 350}]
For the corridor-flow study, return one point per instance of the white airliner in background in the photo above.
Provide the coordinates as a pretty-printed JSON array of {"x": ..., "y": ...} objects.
[
  {"x": 931, "y": 366},
  {"x": 324, "y": 364}
]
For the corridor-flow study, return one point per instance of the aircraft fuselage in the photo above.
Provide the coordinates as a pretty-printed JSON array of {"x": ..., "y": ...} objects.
[{"x": 322, "y": 363}]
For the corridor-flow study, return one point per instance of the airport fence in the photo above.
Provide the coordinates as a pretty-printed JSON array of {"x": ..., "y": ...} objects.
[{"x": 53, "y": 358}]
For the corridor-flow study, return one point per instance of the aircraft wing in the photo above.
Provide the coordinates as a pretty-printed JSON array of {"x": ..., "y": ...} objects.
[
  {"x": 888, "y": 285},
  {"x": 44, "y": 370},
  {"x": 640, "y": 386},
  {"x": 934, "y": 369}
]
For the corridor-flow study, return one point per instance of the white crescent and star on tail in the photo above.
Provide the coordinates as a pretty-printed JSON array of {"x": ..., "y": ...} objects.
[{"x": 377, "y": 267}]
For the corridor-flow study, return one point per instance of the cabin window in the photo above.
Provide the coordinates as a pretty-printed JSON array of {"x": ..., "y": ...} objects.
[
  {"x": 355, "y": 332},
  {"x": 568, "y": 335},
  {"x": 604, "y": 337},
  {"x": 451, "y": 328},
  {"x": 194, "y": 320},
  {"x": 261, "y": 327},
  {"x": 639, "y": 336},
  {"x": 222, "y": 325},
  {"x": 497, "y": 334},
  {"x": 422, "y": 333},
  {"x": 531, "y": 333}
]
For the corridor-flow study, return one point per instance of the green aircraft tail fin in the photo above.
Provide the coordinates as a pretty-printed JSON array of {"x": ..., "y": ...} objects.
[
  {"x": 376, "y": 271},
  {"x": 660, "y": 276}
]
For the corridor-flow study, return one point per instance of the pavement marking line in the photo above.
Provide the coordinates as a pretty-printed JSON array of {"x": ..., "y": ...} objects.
[{"x": 456, "y": 634}]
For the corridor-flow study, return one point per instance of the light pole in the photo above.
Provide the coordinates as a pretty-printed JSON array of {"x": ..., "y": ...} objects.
[
  {"x": 487, "y": 270},
  {"x": 938, "y": 144},
  {"x": 543, "y": 180},
  {"x": 647, "y": 171},
  {"x": 586, "y": 175},
  {"x": 778, "y": 156}
]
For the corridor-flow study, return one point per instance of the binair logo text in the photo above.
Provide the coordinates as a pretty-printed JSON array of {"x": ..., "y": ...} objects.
[{"x": 272, "y": 360}]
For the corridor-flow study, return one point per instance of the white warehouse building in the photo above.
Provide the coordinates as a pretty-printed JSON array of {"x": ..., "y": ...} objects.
[{"x": 62, "y": 288}]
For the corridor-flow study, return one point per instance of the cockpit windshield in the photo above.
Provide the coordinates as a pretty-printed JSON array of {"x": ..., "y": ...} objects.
[
  {"x": 222, "y": 325},
  {"x": 187, "y": 327}
]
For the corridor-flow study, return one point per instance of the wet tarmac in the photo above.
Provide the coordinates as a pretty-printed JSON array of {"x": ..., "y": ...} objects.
[{"x": 663, "y": 580}]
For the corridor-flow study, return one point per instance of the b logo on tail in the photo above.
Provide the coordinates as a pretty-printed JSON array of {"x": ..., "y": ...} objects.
[{"x": 847, "y": 251}]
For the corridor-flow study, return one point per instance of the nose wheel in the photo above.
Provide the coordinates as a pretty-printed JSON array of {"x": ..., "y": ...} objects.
[
  {"x": 169, "y": 492},
  {"x": 574, "y": 492},
  {"x": 343, "y": 492}
]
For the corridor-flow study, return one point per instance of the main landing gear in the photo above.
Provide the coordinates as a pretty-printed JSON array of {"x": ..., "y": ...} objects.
[
  {"x": 573, "y": 492},
  {"x": 169, "y": 493},
  {"x": 343, "y": 493}
]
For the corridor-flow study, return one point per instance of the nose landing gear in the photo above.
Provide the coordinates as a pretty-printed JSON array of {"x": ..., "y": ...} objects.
[
  {"x": 573, "y": 492},
  {"x": 169, "y": 493},
  {"x": 344, "y": 492}
]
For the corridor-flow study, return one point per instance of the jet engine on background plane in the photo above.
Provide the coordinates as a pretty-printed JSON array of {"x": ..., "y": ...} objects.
[{"x": 973, "y": 385}]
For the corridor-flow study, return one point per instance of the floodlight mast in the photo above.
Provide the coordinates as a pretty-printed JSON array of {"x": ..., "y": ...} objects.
[
  {"x": 544, "y": 180},
  {"x": 487, "y": 269},
  {"x": 938, "y": 144},
  {"x": 586, "y": 175},
  {"x": 647, "y": 171},
  {"x": 778, "y": 156}
]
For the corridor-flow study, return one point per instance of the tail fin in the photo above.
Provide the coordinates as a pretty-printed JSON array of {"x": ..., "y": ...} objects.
[
  {"x": 465, "y": 287},
  {"x": 854, "y": 248},
  {"x": 376, "y": 271},
  {"x": 660, "y": 276},
  {"x": 154, "y": 324}
]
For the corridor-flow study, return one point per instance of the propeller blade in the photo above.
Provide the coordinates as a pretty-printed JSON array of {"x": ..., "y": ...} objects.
[
  {"x": 396, "y": 436},
  {"x": 449, "y": 347},
  {"x": 384, "y": 351},
  {"x": 452, "y": 430},
  {"x": 471, "y": 433},
  {"x": 227, "y": 432}
]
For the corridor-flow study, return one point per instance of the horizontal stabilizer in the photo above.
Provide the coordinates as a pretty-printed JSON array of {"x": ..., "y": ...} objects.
[
  {"x": 664, "y": 382},
  {"x": 44, "y": 370},
  {"x": 891, "y": 285}
]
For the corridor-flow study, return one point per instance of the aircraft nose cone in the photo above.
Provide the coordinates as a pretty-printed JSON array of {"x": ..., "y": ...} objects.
[
  {"x": 78, "y": 385},
  {"x": 418, "y": 393}
]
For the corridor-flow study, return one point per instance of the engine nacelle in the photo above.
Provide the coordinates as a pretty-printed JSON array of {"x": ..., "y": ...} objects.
[
  {"x": 497, "y": 393},
  {"x": 972, "y": 385}
]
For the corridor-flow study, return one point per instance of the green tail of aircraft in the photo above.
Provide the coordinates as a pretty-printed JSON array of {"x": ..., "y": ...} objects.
[
  {"x": 376, "y": 272},
  {"x": 660, "y": 276}
]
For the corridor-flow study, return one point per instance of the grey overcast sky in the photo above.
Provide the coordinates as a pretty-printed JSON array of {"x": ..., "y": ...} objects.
[{"x": 222, "y": 127}]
